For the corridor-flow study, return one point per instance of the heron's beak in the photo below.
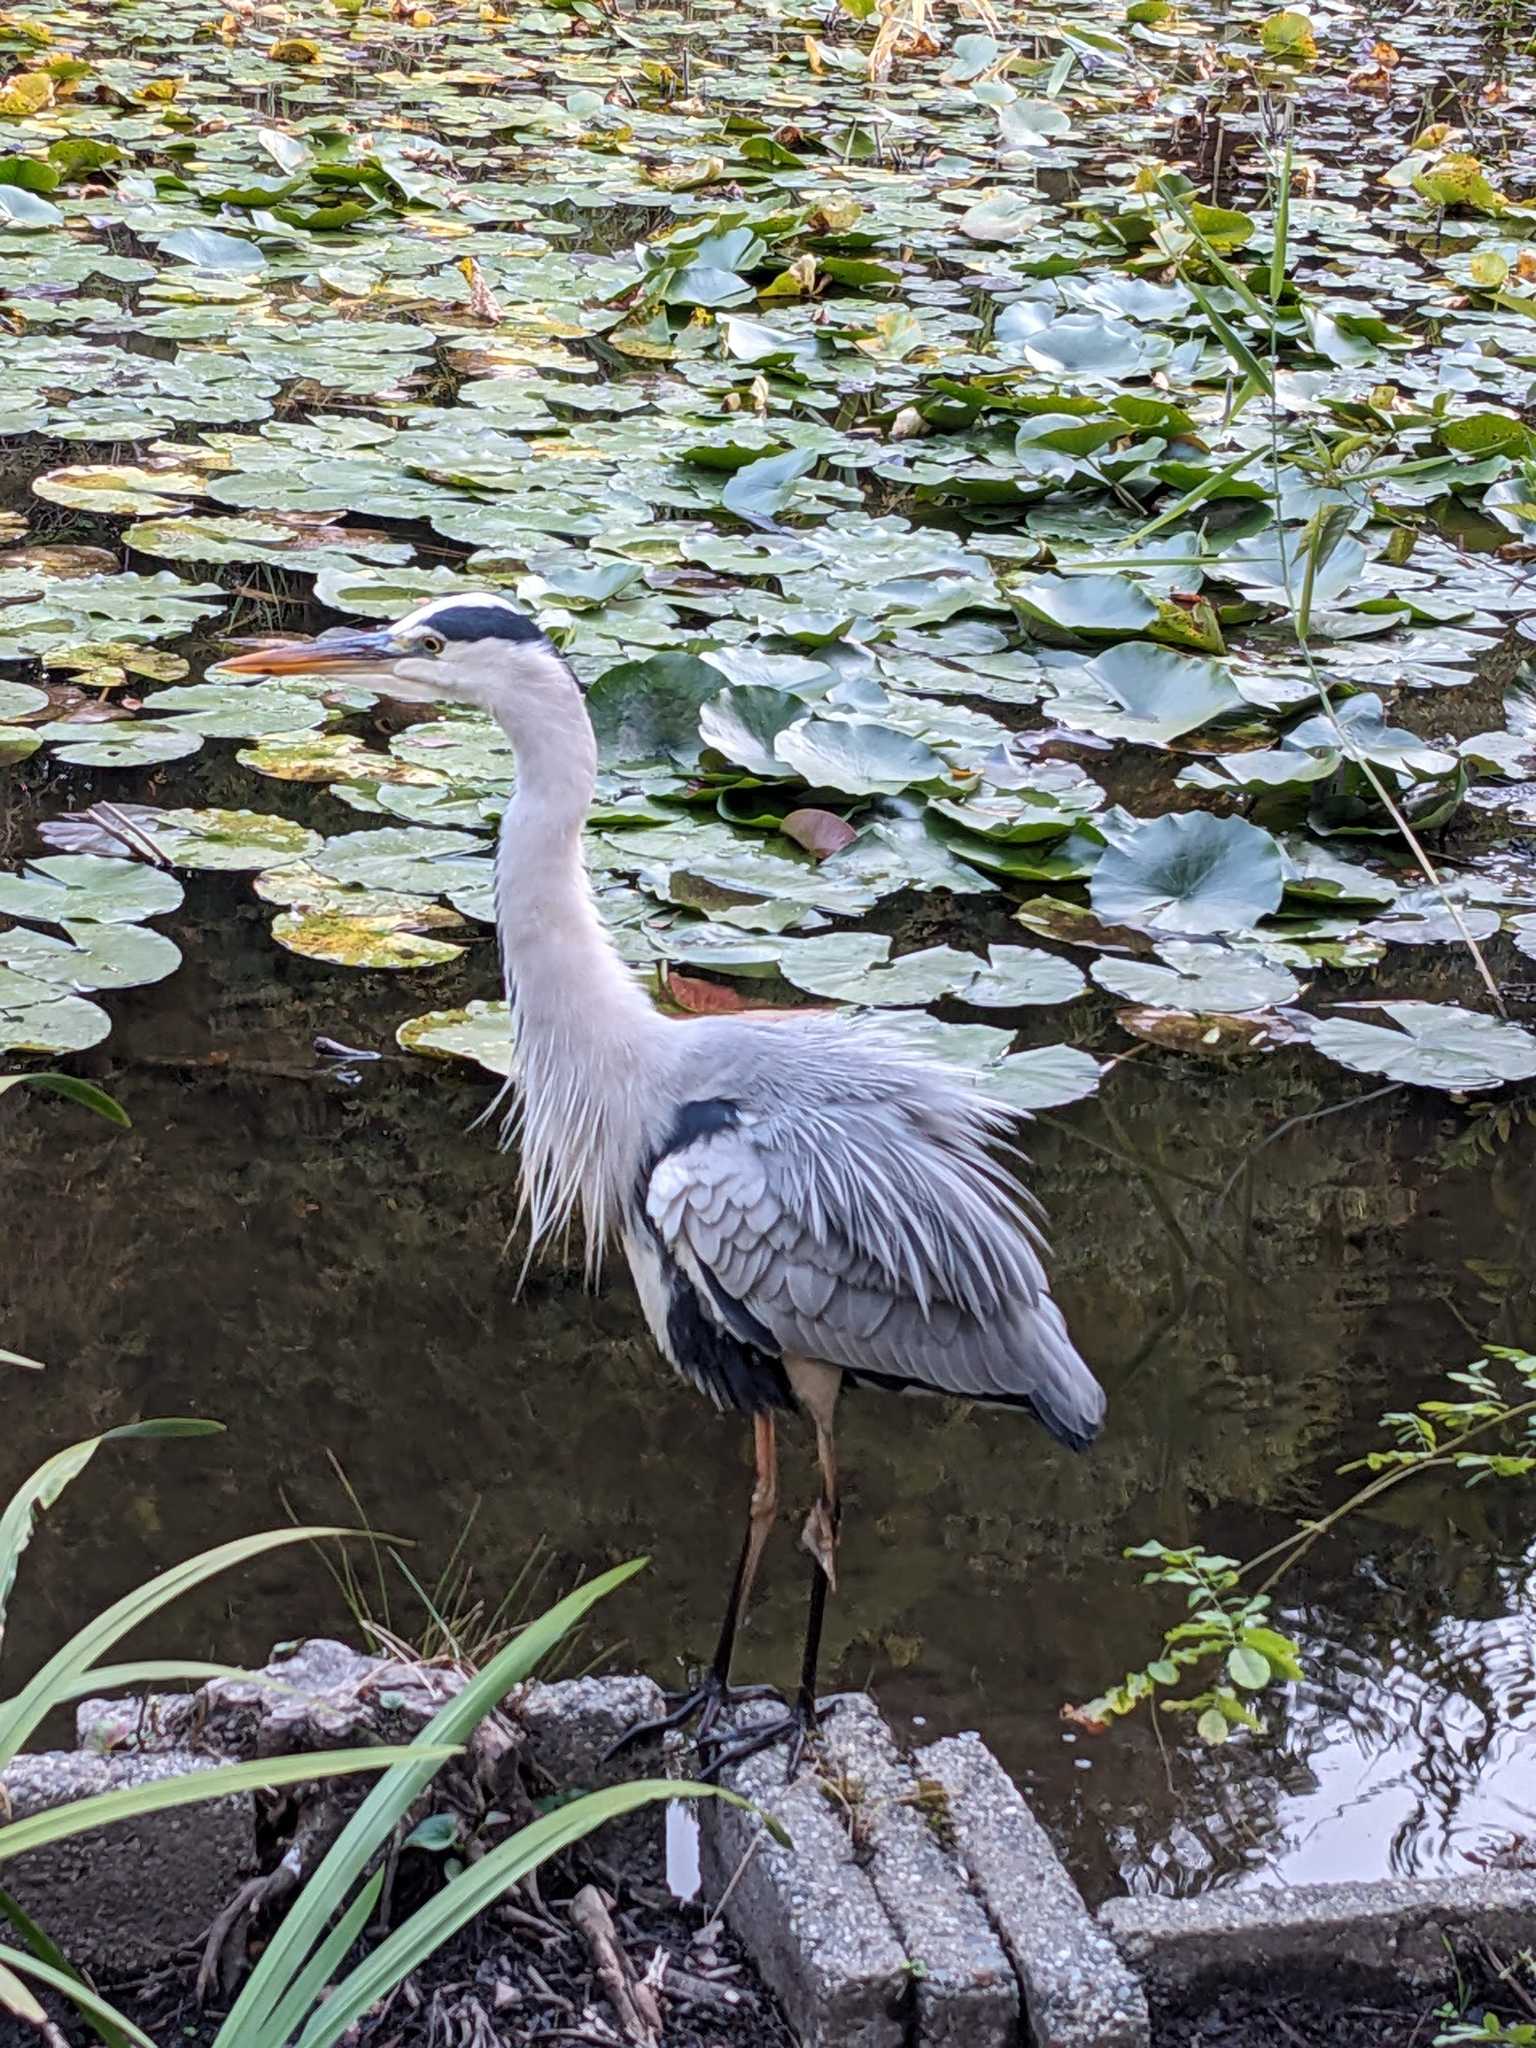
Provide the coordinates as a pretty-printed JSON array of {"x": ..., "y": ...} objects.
[{"x": 344, "y": 650}]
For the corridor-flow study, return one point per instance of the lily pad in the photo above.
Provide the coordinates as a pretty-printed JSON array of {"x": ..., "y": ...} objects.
[
  {"x": 37, "y": 1016},
  {"x": 377, "y": 939},
  {"x": 83, "y": 888},
  {"x": 1205, "y": 978},
  {"x": 1436, "y": 1045},
  {"x": 481, "y": 1032},
  {"x": 1189, "y": 873}
]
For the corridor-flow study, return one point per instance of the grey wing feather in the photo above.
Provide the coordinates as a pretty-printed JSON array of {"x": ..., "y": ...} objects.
[{"x": 871, "y": 1226}]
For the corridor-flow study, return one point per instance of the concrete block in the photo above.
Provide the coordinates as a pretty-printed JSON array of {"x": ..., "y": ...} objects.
[
  {"x": 965, "y": 1990},
  {"x": 569, "y": 1726},
  {"x": 1405, "y": 1929},
  {"x": 809, "y": 1917},
  {"x": 1078, "y": 1993},
  {"x": 127, "y": 1897}
]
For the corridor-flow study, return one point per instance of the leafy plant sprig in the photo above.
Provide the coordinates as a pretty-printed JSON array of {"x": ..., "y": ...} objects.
[{"x": 1228, "y": 1633}]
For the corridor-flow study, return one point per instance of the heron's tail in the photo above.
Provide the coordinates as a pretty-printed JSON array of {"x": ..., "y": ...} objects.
[{"x": 1064, "y": 1396}]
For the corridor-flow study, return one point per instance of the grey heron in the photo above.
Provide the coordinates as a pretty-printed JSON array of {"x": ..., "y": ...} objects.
[{"x": 800, "y": 1202}]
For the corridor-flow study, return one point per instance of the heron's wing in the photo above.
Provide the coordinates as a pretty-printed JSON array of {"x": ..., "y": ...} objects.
[{"x": 877, "y": 1235}]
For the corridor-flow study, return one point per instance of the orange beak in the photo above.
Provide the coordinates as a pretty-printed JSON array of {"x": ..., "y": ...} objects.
[{"x": 344, "y": 650}]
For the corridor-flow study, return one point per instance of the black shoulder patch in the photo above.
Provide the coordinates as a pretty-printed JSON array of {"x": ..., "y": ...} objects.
[
  {"x": 699, "y": 1120},
  {"x": 471, "y": 621},
  {"x": 734, "y": 1373}
]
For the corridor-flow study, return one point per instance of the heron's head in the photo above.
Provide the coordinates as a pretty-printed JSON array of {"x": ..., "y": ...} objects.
[{"x": 476, "y": 649}]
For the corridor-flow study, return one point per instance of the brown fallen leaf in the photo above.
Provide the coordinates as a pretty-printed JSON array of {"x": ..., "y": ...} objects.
[
  {"x": 819, "y": 832},
  {"x": 704, "y": 998}
]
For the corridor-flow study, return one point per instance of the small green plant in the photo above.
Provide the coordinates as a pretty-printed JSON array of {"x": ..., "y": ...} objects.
[
  {"x": 1228, "y": 1636},
  {"x": 1513, "y": 2033},
  {"x": 293, "y": 1995}
]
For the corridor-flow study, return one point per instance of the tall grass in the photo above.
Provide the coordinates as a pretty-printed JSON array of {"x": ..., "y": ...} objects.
[{"x": 294, "y": 1994}]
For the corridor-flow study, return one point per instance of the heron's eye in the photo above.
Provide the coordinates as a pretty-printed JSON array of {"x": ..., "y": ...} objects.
[{"x": 431, "y": 643}]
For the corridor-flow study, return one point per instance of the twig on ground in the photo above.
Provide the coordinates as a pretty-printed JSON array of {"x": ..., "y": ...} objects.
[{"x": 632, "y": 1999}]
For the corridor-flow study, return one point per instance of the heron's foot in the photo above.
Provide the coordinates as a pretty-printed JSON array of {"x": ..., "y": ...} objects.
[
  {"x": 796, "y": 1729},
  {"x": 704, "y": 1705}
]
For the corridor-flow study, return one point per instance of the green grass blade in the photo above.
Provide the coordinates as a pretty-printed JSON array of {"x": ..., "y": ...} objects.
[
  {"x": 291, "y": 2010},
  {"x": 303, "y": 1926},
  {"x": 45, "y": 1485},
  {"x": 49, "y": 1685},
  {"x": 1191, "y": 498},
  {"x": 41, "y": 1944},
  {"x": 153, "y": 1671},
  {"x": 1231, "y": 340},
  {"x": 83, "y": 1092},
  {"x": 478, "y": 1887},
  {"x": 90, "y": 2002},
  {"x": 58, "y": 1823},
  {"x": 1281, "y": 250}
]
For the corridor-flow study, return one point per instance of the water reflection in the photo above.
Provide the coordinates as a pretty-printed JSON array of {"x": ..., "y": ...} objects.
[{"x": 314, "y": 1249}]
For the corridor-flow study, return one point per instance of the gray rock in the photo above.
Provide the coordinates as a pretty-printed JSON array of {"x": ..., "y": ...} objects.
[
  {"x": 126, "y": 1897},
  {"x": 1406, "y": 1929},
  {"x": 966, "y": 1993},
  {"x": 809, "y": 1916},
  {"x": 1077, "y": 1991},
  {"x": 569, "y": 1727}
]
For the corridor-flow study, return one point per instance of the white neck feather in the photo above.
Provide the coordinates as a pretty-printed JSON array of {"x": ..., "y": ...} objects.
[{"x": 582, "y": 1028}]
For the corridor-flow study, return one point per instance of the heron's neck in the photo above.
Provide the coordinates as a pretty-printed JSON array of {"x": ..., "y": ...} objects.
[{"x": 584, "y": 1031}]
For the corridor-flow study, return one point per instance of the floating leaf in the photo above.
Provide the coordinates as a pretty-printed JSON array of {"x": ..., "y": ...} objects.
[
  {"x": 645, "y": 709},
  {"x": 93, "y": 956},
  {"x": 481, "y": 1032},
  {"x": 1189, "y": 872},
  {"x": 857, "y": 756},
  {"x": 36, "y": 1016},
  {"x": 1206, "y": 978},
  {"x": 379, "y": 939},
  {"x": 83, "y": 888},
  {"x": 1436, "y": 1045}
]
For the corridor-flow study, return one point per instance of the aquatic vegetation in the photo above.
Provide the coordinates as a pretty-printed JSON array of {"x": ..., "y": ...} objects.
[
  {"x": 1084, "y": 472},
  {"x": 1229, "y": 1636}
]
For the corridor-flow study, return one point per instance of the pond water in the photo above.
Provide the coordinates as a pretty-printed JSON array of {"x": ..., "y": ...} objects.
[
  {"x": 895, "y": 378},
  {"x": 315, "y": 1250}
]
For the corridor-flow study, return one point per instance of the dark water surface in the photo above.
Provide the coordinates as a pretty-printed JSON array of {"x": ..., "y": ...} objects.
[{"x": 316, "y": 1253}]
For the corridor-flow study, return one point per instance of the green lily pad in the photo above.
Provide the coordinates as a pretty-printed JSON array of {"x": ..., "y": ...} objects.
[
  {"x": 20, "y": 700},
  {"x": 84, "y": 888},
  {"x": 232, "y": 842},
  {"x": 37, "y": 1016},
  {"x": 642, "y": 710},
  {"x": 1189, "y": 872},
  {"x": 858, "y": 756},
  {"x": 1436, "y": 1045},
  {"x": 1206, "y": 979},
  {"x": 93, "y": 956},
  {"x": 379, "y": 939},
  {"x": 411, "y": 859},
  {"x": 481, "y": 1032},
  {"x": 122, "y": 745}
]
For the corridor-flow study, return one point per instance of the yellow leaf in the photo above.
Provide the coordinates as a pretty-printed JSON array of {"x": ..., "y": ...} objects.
[
  {"x": 1288, "y": 34},
  {"x": 29, "y": 31},
  {"x": 1459, "y": 180},
  {"x": 1488, "y": 269},
  {"x": 294, "y": 50},
  {"x": 161, "y": 89},
  {"x": 26, "y": 92},
  {"x": 422, "y": 17},
  {"x": 813, "y": 56}
]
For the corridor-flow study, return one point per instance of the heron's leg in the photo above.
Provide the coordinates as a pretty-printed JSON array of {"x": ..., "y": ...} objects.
[
  {"x": 817, "y": 1387},
  {"x": 707, "y": 1699}
]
